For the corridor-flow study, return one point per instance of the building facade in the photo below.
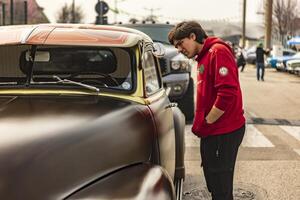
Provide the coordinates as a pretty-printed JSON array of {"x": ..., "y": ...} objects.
[{"x": 21, "y": 12}]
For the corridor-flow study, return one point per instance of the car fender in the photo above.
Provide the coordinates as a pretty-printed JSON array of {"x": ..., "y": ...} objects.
[
  {"x": 179, "y": 125},
  {"x": 140, "y": 181}
]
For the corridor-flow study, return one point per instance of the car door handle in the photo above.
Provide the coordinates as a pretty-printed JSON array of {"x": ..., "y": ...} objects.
[{"x": 170, "y": 105}]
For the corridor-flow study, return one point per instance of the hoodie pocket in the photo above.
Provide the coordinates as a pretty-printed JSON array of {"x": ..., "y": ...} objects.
[{"x": 199, "y": 122}]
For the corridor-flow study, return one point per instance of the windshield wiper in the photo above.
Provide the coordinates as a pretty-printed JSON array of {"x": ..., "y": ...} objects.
[{"x": 66, "y": 81}]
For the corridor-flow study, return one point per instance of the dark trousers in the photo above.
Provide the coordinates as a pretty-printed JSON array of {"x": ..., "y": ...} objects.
[
  {"x": 242, "y": 67},
  {"x": 218, "y": 155},
  {"x": 260, "y": 67}
]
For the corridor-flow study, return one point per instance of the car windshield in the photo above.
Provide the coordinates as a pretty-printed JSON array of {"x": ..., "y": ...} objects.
[
  {"x": 156, "y": 33},
  {"x": 297, "y": 55},
  {"x": 287, "y": 52},
  {"x": 63, "y": 66}
]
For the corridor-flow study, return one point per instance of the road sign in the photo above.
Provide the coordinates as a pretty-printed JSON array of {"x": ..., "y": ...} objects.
[{"x": 101, "y": 7}]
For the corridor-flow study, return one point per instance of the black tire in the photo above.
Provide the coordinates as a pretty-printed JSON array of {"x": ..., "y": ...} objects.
[{"x": 186, "y": 103}]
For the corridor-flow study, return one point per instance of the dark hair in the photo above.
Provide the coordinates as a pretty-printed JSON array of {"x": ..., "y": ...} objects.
[{"x": 184, "y": 29}]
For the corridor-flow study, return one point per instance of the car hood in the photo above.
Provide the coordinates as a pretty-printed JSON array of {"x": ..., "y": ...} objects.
[
  {"x": 281, "y": 57},
  {"x": 171, "y": 51},
  {"x": 287, "y": 58},
  {"x": 52, "y": 145},
  {"x": 296, "y": 60}
]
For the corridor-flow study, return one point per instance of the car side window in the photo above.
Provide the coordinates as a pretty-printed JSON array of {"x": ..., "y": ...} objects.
[{"x": 152, "y": 82}]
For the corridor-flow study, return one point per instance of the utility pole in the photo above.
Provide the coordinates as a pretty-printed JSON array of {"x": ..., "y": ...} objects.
[
  {"x": 11, "y": 12},
  {"x": 25, "y": 12},
  {"x": 3, "y": 14},
  {"x": 73, "y": 11},
  {"x": 152, "y": 16},
  {"x": 244, "y": 24},
  {"x": 268, "y": 22}
]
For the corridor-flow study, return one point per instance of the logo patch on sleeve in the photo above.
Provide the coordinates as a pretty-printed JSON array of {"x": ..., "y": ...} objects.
[
  {"x": 223, "y": 71},
  {"x": 201, "y": 69}
]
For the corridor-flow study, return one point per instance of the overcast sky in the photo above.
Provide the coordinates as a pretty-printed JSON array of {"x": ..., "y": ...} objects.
[{"x": 167, "y": 10}]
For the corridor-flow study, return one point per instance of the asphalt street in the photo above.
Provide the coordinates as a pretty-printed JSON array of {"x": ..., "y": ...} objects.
[{"x": 268, "y": 165}]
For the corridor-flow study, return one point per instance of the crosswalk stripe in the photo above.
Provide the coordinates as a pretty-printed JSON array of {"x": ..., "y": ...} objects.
[
  {"x": 254, "y": 138},
  {"x": 297, "y": 151},
  {"x": 292, "y": 130}
]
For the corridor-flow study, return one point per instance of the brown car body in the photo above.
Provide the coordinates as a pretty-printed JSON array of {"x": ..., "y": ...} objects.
[{"x": 77, "y": 136}]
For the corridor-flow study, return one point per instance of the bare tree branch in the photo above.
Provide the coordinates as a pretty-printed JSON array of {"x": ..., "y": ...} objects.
[
  {"x": 65, "y": 14},
  {"x": 285, "y": 13}
]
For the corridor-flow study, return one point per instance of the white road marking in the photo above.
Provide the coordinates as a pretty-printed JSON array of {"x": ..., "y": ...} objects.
[
  {"x": 292, "y": 130},
  {"x": 252, "y": 114},
  {"x": 297, "y": 151},
  {"x": 254, "y": 138}
]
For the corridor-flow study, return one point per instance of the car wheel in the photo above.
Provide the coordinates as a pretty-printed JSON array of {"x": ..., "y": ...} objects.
[{"x": 186, "y": 103}]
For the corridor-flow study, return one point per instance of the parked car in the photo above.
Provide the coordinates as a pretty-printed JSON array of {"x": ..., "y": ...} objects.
[
  {"x": 84, "y": 115},
  {"x": 281, "y": 63},
  {"x": 293, "y": 66},
  {"x": 175, "y": 67},
  {"x": 286, "y": 54},
  {"x": 251, "y": 55}
]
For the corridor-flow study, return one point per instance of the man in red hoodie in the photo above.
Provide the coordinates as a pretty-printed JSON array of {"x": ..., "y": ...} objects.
[{"x": 219, "y": 119}]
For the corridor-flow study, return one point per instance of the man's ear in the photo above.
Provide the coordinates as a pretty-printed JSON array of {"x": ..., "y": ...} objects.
[{"x": 193, "y": 36}]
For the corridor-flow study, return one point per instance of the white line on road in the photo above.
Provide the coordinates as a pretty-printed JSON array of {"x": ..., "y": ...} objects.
[
  {"x": 292, "y": 130},
  {"x": 254, "y": 138},
  {"x": 252, "y": 114},
  {"x": 297, "y": 151}
]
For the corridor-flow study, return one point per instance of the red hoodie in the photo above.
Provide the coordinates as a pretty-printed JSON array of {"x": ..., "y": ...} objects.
[{"x": 217, "y": 85}]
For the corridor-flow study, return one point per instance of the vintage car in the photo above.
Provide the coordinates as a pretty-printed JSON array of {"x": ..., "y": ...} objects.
[
  {"x": 84, "y": 115},
  {"x": 286, "y": 54},
  {"x": 175, "y": 67},
  {"x": 293, "y": 66},
  {"x": 281, "y": 63},
  {"x": 251, "y": 55}
]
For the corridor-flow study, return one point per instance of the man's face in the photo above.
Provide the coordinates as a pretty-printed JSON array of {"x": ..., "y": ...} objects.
[{"x": 188, "y": 46}]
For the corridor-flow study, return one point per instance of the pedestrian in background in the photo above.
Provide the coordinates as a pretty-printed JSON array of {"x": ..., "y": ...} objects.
[
  {"x": 219, "y": 119},
  {"x": 260, "y": 61},
  {"x": 241, "y": 58}
]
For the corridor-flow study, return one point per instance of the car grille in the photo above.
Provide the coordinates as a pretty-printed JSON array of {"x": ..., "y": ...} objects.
[
  {"x": 294, "y": 65},
  {"x": 163, "y": 66}
]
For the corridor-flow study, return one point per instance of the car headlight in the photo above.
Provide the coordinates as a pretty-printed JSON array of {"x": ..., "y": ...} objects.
[
  {"x": 279, "y": 64},
  {"x": 179, "y": 65},
  {"x": 175, "y": 65}
]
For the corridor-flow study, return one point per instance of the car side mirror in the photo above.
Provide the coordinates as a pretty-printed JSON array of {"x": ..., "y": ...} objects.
[{"x": 158, "y": 50}]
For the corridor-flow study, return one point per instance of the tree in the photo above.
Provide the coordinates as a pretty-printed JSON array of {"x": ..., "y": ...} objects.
[
  {"x": 133, "y": 20},
  {"x": 285, "y": 14},
  {"x": 66, "y": 14}
]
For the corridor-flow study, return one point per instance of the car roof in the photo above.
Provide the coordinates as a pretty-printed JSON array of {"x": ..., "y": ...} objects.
[
  {"x": 71, "y": 34},
  {"x": 147, "y": 25}
]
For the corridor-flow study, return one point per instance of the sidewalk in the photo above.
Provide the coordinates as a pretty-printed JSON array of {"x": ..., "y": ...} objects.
[{"x": 262, "y": 173}]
